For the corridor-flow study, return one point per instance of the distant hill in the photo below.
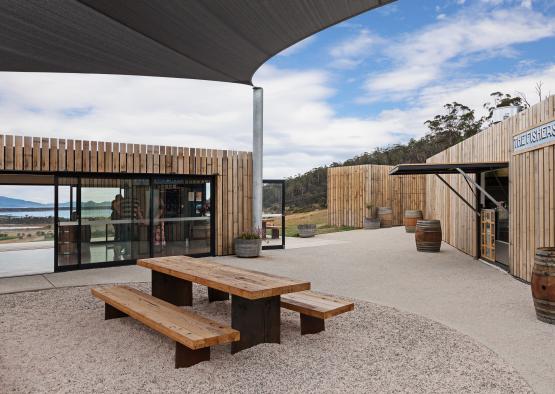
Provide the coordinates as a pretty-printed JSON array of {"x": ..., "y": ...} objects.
[{"x": 8, "y": 202}]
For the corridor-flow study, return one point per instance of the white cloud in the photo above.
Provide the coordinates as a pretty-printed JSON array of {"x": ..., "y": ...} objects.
[
  {"x": 424, "y": 57},
  {"x": 351, "y": 52},
  {"x": 526, "y": 4},
  {"x": 301, "y": 128}
]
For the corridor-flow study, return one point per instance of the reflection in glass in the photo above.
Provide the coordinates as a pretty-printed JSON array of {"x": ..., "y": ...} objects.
[
  {"x": 114, "y": 219},
  {"x": 272, "y": 215},
  {"x": 68, "y": 224},
  {"x": 181, "y": 222},
  {"x": 107, "y": 220}
]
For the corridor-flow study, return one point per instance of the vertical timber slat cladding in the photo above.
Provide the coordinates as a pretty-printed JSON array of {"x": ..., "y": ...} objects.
[
  {"x": 62, "y": 166},
  {"x": 45, "y": 154},
  {"x": 531, "y": 188},
  {"x": 53, "y": 154},
  {"x": 8, "y": 152},
  {"x": 352, "y": 188},
  {"x": 27, "y": 154},
  {"x": 458, "y": 220},
  {"x": 1, "y": 151},
  {"x": 232, "y": 171},
  {"x": 18, "y": 153}
]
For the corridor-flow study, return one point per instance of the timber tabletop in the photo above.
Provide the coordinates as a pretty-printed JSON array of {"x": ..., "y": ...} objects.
[{"x": 233, "y": 280}]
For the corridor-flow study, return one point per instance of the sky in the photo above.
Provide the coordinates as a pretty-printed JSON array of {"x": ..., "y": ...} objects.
[{"x": 368, "y": 82}]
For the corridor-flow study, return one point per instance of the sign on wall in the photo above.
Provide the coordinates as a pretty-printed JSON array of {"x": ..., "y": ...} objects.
[{"x": 534, "y": 138}]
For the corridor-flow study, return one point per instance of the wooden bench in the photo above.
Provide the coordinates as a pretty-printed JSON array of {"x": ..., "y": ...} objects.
[
  {"x": 193, "y": 334},
  {"x": 314, "y": 309}
]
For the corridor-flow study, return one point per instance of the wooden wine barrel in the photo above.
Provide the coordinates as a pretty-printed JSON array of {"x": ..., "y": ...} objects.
[
  {"x": 386, "y": 217},
  {"x": 67, "y": 240},
  {"x": 428, "y": 235},
  {"x": 410, "y": 219},
  {"x": 543, "y": 284},
  {"x": 371, "y": 224}
]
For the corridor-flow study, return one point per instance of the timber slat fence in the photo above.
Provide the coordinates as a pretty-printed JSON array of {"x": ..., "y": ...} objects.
[{"x": 352, "y": 188}]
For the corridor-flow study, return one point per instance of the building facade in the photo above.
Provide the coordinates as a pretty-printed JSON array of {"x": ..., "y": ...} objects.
[
  {"x": 116, "y": 202},
  {"x": 501, "y": 211},
  {"x": 525, "y": 142}
]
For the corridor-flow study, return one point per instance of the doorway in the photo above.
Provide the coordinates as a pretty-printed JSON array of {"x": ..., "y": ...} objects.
[{"x": 494, "y": 234}]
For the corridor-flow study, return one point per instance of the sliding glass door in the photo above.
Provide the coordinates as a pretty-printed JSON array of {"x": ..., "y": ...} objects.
[
  {"x": 117, "y": 220},
  {"x": 114, "y": 219},
  {"x": 182, "y": 220}
]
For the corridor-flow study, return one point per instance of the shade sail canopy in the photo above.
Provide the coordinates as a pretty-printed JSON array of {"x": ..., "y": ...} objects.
[
  {"x": 446, "y": 168},
  {"x": 219, "y": 40}
]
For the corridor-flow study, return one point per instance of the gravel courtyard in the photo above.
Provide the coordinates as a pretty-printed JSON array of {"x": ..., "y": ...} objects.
[{"x": 57, "y": 341}]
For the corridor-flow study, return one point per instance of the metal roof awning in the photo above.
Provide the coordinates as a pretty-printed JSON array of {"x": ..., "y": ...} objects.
[
  {"x": 446, "y": 168},
  {"x": 218, "y": 40},
  {"x": 454, "y": 168}
]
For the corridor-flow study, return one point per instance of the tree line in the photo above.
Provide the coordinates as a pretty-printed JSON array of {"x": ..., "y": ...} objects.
[{"x": 305, "y": 192}]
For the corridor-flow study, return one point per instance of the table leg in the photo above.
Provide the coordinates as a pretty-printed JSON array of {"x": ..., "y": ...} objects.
[
  {"x": 171, "y": 289},
  {"x": 112, "y": 313},
  {"x": 217, "y": 295},
  {"x": 185, "y": 357},
  {"x": 258, "y": 321},
  {"x": 311, "y": 325}
]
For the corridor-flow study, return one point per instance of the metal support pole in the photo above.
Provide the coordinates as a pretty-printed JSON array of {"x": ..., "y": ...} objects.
[
  {"x": 257, "y": 157},
  {"x": 481, "y": 189},
  {"x": 458, "y": 195}
]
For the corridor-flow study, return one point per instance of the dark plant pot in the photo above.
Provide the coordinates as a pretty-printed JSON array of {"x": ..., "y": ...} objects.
[
  {"x": 247, "y": 247},
  {"x": 306, "y": 230},
  {"x": 371, "y": 223}
]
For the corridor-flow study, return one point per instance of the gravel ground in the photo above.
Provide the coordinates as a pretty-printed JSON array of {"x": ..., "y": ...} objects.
[{"x": 57, "y": 341}]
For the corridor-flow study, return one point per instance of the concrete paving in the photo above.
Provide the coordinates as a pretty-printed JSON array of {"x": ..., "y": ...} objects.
[
  {"x": 450, "y": 287},
  {"x": 383, "y": 266},
  {"x": 123, "y": 274},
  {"x": 24, "y": 283}
]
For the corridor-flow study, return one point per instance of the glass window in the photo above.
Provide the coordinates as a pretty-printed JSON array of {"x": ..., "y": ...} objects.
[
  {"x": 181, "y": 217},
  {"x": 114, "y": 219},
  {"x": 272, "y": 214},
  {"x": 110, "y": 220},
  {"x": 68, "y": 222}
]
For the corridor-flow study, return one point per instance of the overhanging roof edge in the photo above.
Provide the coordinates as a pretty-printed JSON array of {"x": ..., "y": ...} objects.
[{"x": 446, "y": 168}]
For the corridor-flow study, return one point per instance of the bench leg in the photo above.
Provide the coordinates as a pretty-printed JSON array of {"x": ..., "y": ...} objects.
[
  {"x": 171, "y": 289},
  {"x": 258, "y": 321},
  {"x": 311, "y": 325},
  {"x": 185, "y": 357},
  {"x": 217, "y": 295},
  {"x": 112, "y": 313}
]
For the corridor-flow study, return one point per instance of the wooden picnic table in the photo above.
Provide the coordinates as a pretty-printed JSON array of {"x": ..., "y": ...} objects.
[{"x": 255, "y": 296}]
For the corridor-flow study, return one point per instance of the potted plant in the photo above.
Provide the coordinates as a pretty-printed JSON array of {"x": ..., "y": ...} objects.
[
  {"x": 306, "y": 230},
  {"x": 248, "y": 244},
  {"x": 370, "y": 222}
]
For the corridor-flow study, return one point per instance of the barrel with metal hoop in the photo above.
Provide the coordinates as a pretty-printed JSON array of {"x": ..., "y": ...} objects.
[
  {"x": 410, "y": 219},
  {"x": 543, "y": 284},
  {"x": 386, "y": 217},
  {"x": 428, "y": 235}
]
